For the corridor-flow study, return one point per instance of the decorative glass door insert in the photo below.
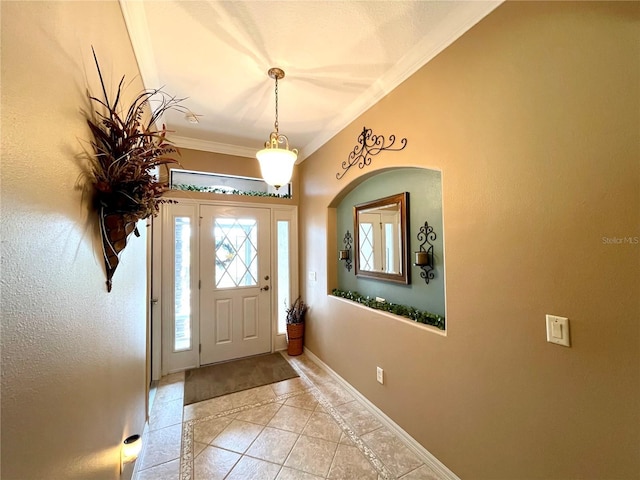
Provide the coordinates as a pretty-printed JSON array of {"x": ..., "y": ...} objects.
[{"x": 236, "y": 245}]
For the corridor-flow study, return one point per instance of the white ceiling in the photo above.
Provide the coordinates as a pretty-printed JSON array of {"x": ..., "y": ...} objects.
[{"x": 340, "y": 57}]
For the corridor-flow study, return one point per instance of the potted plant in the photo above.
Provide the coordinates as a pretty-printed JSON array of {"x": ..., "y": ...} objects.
[{"x": 295, "y": 326}]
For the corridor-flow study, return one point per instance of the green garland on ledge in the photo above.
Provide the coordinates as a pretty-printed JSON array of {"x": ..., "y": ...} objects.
[
  {"x": 412, "y": 313},
  {"x": 248, "y": 193}
]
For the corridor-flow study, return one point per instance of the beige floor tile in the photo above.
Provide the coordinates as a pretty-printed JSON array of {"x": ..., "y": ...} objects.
[
  {"x": 254, "y": 443},
  {"x": 166, "y": 414},
  {"x": 273, "y": 445},
  {"x": 317, "y": 377},
  {"x": 348, "y": 463},
  {"x": 334, "y": 393},
  {"x": 251, "y": 396},
  {"x": 312, "y": 455},
  {"x": 305, "y": 400},
  {"x": 301, "y": 360},
  {"x": 206, "y": 431},
  {"x": 214, "y": 464},
  {"x": 361, "y": 420},
  {"x": 253, "y": 469},
  {"x": 260, "y": 415},
  {"x": 165, "y": 471},
  {"x": 288, "y": 386},
  {"x": 171, "y": 379},
  {"x": 237, "y": 436},
  {"x": 421, "y": 473},
  {"x": 162, "y": 446},
  {"x": 395, "y": 455},
  {"x": 346, "y": 440},
  {"x": 322, "y": 425},
  {"x": 168, "y": 392},
  {"x": 206, "y": 408},
  {"x": 311, "y": 370},
  {"x": 290, "y": 474},
  {"x": 198, "y": 448},
  {"x": 290, "y": 418}
]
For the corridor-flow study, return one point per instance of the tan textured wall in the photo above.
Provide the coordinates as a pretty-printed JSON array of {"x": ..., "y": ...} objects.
[
  {"x": 219, "y": 163},
  {"x": 73, "y": 355},
  {"x": 533, "y": 117}
]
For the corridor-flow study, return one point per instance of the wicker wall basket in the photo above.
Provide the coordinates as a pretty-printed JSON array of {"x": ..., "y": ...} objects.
[
  {"x": 295, "y": 338},
  {"x": 115, "y": 229}
]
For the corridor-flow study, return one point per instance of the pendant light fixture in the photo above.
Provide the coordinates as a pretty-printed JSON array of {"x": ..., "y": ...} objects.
[{"x": 276, "y": 160}]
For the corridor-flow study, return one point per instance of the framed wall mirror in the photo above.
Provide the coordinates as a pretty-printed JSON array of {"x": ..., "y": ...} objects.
[{"x": 380, "y": 240}]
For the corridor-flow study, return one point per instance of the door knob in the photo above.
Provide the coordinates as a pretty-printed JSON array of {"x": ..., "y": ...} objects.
[{"x": 265, "y": 288}]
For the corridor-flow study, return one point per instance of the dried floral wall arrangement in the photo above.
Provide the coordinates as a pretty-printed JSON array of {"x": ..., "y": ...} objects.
[{"x": 127, "y": 148}]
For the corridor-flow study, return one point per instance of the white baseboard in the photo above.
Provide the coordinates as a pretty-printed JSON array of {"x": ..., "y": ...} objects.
[{"x": 423, "y": 454}]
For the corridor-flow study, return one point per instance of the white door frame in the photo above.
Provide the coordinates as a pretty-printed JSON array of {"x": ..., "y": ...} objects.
[
  {"x": 162, "y": 277},
  {"x": 155, "y": 299},
  {"x": 174, "y": 361}
]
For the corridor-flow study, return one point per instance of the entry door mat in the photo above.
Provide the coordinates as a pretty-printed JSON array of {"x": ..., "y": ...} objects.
[{"x": 223, "y": 378}]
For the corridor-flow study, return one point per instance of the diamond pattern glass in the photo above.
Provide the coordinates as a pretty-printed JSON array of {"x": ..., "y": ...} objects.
[
  {"x": 236, "y": 243},
  {"x": 366, "y": 246}
]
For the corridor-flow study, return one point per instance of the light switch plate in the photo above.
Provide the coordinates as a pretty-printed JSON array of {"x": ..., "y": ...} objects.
[{"x": 558, "y": 330}]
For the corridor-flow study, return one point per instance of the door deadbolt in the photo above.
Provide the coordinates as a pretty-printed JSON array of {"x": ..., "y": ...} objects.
[{"x": 266, "y": 277}]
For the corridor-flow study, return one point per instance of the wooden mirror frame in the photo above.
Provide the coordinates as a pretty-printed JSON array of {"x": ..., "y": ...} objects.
[{"x": 403, "y": 276}]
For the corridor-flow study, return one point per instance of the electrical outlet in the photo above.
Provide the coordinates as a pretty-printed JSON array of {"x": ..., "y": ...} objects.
[{"x": 380, "y": 375}]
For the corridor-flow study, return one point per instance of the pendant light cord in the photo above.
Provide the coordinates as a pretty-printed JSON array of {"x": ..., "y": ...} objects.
[{"x": 276, "y": 122}]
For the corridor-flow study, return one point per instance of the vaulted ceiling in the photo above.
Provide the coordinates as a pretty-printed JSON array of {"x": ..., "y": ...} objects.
[{"x": 340, "y": 57}]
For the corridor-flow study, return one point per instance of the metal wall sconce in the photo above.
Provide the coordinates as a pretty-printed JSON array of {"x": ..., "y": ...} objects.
[
  {"x": 346, "y": 253},
  {"x": 424, "y": 257},
  {"x": 130, "y": 450}
]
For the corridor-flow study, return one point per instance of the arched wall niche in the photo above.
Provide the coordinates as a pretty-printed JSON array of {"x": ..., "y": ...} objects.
[{"x": 425, "y": 204}]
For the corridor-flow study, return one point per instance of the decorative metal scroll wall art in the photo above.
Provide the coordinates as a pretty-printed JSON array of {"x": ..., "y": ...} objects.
[
  {"x": 424, "y": 256},
  {"x": 368, "y": 146},
  {"x": 346, "y": 253}
]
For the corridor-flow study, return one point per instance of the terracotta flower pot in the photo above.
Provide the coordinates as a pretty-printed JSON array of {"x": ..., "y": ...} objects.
[{"x": 295, "y": 338}]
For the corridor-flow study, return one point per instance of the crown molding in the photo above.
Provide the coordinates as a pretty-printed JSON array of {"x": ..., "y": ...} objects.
[
  {"x": 415, "y": 59},
  {"x": 135, "y": 19}
]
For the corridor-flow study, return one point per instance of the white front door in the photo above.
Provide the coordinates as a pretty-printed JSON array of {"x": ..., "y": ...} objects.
[{"x": 235, "y": 296}]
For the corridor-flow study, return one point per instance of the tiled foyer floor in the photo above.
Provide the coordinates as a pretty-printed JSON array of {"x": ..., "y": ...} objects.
[{"x": 306, "y": 428}]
